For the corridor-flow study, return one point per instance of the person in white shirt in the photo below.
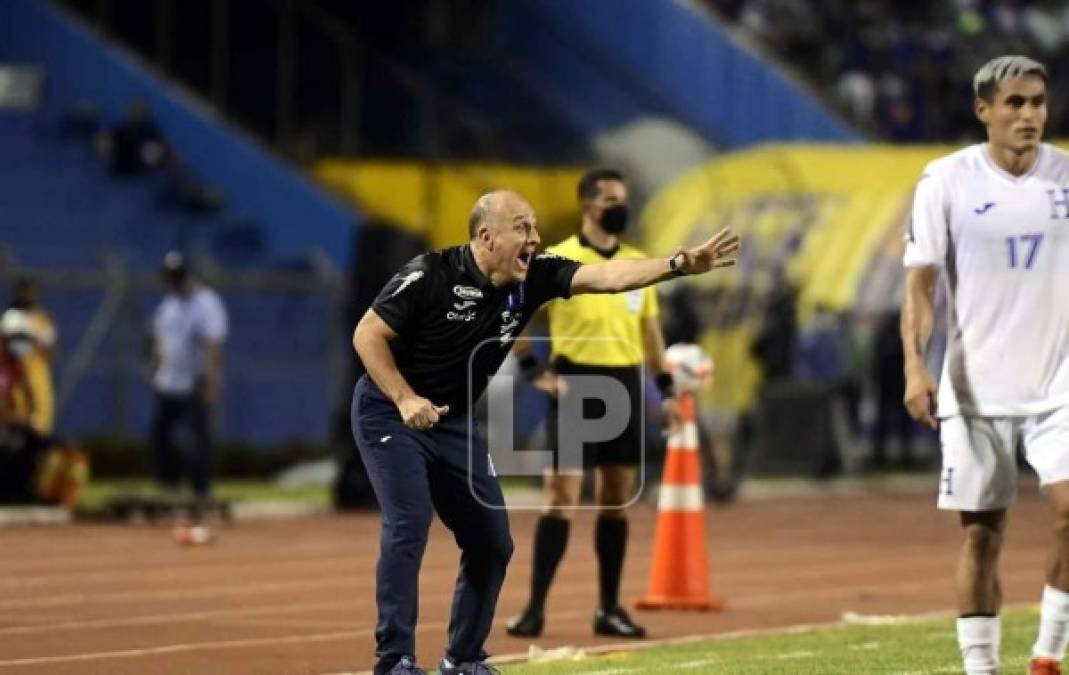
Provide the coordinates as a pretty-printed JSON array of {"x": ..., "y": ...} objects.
[
  {"x": 188, "y": 331},
  {"x": 994, "y": 217}
]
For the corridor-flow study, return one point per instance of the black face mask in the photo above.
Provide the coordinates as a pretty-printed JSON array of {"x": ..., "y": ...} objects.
[{"x": 614, "y": 218}]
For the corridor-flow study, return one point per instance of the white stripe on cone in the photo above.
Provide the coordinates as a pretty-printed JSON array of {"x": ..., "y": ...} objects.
[
  {"x": 686, "y": 439},
  {"x": 680, "y": 498}
]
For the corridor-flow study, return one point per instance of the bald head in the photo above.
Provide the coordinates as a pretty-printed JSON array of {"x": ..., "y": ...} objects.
[{"x": 493, "y": 206}]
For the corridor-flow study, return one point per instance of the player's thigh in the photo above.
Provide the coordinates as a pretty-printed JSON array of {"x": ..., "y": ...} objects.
[
  {"x": 614, "y": 485},
  {"x": 466, "y": 493},
  {"x": 1046, "y": 445},
  {"x": 561, "y": 492},
  {"x": 979, "y": 464}
]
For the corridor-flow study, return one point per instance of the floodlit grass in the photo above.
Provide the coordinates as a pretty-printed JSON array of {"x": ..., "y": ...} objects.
[
  {"x": 923, "y": 647},
  {"x": 99, "y": 492}
]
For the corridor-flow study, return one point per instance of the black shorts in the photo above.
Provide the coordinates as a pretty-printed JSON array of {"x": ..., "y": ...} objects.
[{"x": 623, "y": 448}]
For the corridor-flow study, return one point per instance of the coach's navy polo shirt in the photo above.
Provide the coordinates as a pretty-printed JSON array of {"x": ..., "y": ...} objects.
[{"x": 454, "y": 328}]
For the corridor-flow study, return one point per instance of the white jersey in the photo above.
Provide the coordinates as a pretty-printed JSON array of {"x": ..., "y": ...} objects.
[
  {"x": 182, "y": 327},
  {"x": 1003, "y": 242}
]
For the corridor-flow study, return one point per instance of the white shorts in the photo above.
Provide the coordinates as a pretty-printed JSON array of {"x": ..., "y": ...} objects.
[{"x": 979, "y": 457}]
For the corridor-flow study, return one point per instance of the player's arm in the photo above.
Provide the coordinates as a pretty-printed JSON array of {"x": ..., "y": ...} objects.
[
  {"x": 616, "y": 276},
  {"x": 657, "y": 364},
  {"x": 541, "y": 377},
  {"x": 537, "y": 373},
  {"x": 213, "y": 370},
  {"x": 918, "y": 321},
  {"x": 371, "y": 339}
]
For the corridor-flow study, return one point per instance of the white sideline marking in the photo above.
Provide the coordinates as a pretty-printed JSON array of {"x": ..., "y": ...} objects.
[
  {"x": 750, "y": 632},
  {"x": 930, "y": 671},
  {"x": 199, "y": 646},
  {"x": 864, "y": 646},
  {"x": 696, "y": 664},
  {"x": 282, "y": 609},
  {"x": 803, "y": 654},
  {"x": 185, "y": 647}
]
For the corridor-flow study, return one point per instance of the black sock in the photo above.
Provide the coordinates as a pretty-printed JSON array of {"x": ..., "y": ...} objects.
[
  {"x": 551, "y": 538},
  {"x": 386, "y": 663},
  {"x": 610, "y": 543}
]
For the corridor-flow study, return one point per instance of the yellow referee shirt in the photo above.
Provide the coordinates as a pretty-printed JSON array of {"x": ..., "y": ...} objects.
[{"x": 608, "y": 323}]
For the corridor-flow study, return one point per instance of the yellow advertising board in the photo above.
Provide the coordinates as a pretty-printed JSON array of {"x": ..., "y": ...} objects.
[{"x": 818, "y": 214}]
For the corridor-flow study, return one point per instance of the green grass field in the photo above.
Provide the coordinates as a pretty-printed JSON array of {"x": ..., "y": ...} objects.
[{"x": 909, "y": 647}]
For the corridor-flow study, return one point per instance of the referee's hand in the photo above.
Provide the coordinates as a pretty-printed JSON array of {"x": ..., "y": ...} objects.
[{"x": 419, "y": 413}]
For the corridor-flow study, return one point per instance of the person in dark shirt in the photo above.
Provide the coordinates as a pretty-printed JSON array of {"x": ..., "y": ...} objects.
[
  {"x": 136, "y": 146},
  {"x": 435, "y": 334}
]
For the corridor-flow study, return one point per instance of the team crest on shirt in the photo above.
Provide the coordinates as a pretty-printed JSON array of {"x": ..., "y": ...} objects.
[{"x": 510, "y": 321}]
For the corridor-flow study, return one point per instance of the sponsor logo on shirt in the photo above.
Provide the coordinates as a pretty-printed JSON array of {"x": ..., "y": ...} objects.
[
  {"x": 467, "y": 292},
  {"x": 461, "y": 316},
  {"x": 463, "y": 305},
  {"x": 984, "y": 209}
]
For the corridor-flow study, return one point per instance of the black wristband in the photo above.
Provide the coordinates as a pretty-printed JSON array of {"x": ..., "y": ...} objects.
[
  {"x": 531, "y": 367},
  {"x": 673, "y": 266},
  {"x": 665, "y": 384}
]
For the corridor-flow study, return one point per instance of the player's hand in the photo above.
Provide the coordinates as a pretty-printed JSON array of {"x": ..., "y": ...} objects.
[
  {"x": 920, "y": 398},
  {"x": 550, "y": 383},
  {"x": 419, "y": 413},
  {"x": 209, "y": 391},
  {"x": 673, "y": 416},
  {"x": 721, "y": 250}
]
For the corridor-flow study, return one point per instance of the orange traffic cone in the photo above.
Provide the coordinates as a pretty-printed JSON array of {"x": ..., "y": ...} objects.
[{"x": 679, "y": 577}]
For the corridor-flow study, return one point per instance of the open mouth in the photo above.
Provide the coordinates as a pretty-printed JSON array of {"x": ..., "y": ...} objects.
[{"x": 525, "y": 259}]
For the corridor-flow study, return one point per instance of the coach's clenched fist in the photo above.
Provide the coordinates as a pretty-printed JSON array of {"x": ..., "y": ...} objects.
[{"x": 419, "y": 413}]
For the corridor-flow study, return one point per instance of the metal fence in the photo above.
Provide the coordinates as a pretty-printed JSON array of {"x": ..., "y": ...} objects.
[{"x": 286, "y": 364}]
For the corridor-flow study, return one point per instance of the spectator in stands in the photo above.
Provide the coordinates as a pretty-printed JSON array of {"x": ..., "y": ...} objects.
[
  {"x": 774, "y": 345},
  {"x": 37, "y": 362},
  {"x": 16, "y": 342},
  {"x": 188, "y": 332},
  {"x": 19, "y": 444},
  {"x": 136, "y": 146},
  {"x": 914, "y": 53},
  {"x": 892, "y": 419}
]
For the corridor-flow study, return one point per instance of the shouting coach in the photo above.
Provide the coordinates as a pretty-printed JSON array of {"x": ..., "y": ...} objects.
[{"x": 435, "y": 334}]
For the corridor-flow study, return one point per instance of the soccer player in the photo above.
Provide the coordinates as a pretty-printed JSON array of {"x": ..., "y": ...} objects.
[
  {"x": 446, "y": 319},
  {"x": 995, "y": 218},
  {"x": 615, "y": 335}
]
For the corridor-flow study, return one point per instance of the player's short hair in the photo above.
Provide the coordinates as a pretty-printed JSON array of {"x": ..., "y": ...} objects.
[
  {"x": 479, "y": 212},
  {"x": 986, "y": 81},
  {"x": 588, "y": 184}
]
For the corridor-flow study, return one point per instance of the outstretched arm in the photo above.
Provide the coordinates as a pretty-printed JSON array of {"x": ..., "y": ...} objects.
[{"x": 615, "y": 276}]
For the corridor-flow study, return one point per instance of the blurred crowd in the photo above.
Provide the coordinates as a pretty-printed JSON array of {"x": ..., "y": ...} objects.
[{"x": 903, "y": 70}]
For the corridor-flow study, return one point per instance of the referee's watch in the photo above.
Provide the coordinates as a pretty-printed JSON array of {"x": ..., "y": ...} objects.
[{"x": 674, "y": 263}]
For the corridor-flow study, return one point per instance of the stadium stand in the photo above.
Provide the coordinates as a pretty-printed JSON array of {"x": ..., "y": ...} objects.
[{"x": 903, "y": 69}]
